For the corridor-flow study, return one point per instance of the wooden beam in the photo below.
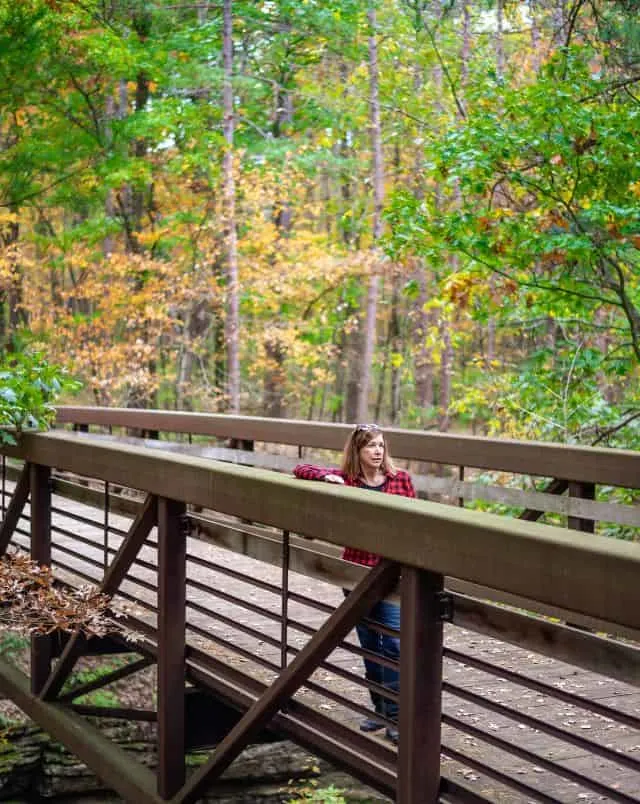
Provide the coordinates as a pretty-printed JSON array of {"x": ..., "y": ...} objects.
[
  {"x": 136, "y": 536},
  {"x": 591, "y": 464},
  {"x": 473, "y": 609},
  {"x": 41, "y": 646},
  {"x": 523, "y": 558},
  {"x": 15, "y": 508},
  {"x": 374, "y": 586},
  {"x": 556, "y": 486},
  {"x": 584, "y": 491},
  {"x": 118, "y": 712},
  {"x": 108, "y": 678},
  {"x": 172, "y": 580},
  {"x": 420, "y": 687},
  {"x": 129, "y": 779}
]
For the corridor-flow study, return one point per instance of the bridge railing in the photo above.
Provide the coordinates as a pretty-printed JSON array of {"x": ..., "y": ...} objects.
[
  {"x": 187, "y": 495},
  {"x": 580, "y": 487},
  {"x": 555, "y": 478}
]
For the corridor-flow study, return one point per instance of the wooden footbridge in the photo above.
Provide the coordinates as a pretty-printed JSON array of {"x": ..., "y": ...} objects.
[{"x": 520, "y": 658}]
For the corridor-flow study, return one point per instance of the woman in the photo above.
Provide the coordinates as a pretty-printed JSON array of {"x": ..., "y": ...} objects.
[{"x": 366, "y": 464}]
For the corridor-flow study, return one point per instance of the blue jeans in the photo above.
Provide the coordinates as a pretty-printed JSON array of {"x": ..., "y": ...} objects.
[{"x": 387, "y": 614}]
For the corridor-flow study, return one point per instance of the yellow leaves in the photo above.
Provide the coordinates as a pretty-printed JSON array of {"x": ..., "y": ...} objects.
[
  {"x": 148, "y": 238},
  {"x": 634, "y": 189},
  {"x": 326, "y": 139},
  {"x": 89, "y": 181},
  {"x": 458, "y": 288},
  {"x": 20, "y": 118},
  {"x": 7, "y": 217}
]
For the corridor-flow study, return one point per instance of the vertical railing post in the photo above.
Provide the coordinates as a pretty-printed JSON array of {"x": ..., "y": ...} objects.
[
  {"x": 40, "y": 494},
  {"x": 4, "y": 484},
  {"x": 461, "y": 480},
  {"x": 585, "y": 491},
  {"x": 172, "y": 553},
  {"x": 420, "y": 687},
  {"x": 284, "y": 630},
  {"x": 105, "y": 524}
]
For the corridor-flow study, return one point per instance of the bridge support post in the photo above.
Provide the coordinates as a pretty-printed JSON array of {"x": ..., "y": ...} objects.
[
  {"x": 40, "y": 491},
  {"x": 172, "y": 554},
  {"x": 585, "y": 491},
  {"x": 420, "y": 687}
]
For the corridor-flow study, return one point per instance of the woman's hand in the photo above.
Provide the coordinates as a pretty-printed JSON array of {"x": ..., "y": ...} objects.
[{"x": 333, "y": 479}]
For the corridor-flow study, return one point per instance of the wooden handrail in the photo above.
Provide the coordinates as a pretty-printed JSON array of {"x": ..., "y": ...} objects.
[
  {"x": 578, "y": 572},
  {"x": 582, "y": 464}
]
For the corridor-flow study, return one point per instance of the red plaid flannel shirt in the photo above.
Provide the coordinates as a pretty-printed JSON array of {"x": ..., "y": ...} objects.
[{"x": 400, "y": 484}]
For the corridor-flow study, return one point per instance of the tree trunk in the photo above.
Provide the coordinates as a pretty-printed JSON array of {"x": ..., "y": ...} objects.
[
  {"x": 558, "y": 22},
  {"x": 13, "y": 313},
  {"x": 109, "y": 208},
  {"x": 535, "y": 36},
  {"x": 396, "y": 348},
  {"x": 274, "y": 346},
  {"x": 499, "y": 54},
  {"x": 424, "y": 353},
  {"x": 446, "y": 369},
  {"x": 196, "y": 326},
  {"x": 274, "y": 380},
  {"x": 232, "y": 312},
  {"x": 465, "y": 51},
  {"x": 354, "y": 351},
  {"x": 378, "y": 201}
]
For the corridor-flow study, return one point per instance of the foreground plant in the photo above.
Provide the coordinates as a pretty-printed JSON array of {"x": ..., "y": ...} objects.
[{"x": 29, "y": 386}]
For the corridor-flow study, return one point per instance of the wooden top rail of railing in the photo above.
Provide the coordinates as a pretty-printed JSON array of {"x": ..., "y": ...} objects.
[
  {"x": 578, "y": 572},
  {"x": 612, "y": 467}
]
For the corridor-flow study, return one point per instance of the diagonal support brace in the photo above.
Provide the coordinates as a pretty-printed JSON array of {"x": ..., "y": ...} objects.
[
  {"x": 126, "y": 555},
  {"x": 111, "y": 763},
  {"x": 378, "y": 583},
  {"x": 14, "y": 511}
]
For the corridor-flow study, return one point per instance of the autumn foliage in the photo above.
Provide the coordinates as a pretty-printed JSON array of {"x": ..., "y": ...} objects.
[
  {"x": 31, "y": 604},
  {"x": 463, "y": 208}
]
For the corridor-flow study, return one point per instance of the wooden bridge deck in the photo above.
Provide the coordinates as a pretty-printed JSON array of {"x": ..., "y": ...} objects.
[{"x": 492, "y": 689}]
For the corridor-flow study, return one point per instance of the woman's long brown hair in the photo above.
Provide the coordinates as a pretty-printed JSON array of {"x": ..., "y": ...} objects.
[{"x": 359, "y": 438}]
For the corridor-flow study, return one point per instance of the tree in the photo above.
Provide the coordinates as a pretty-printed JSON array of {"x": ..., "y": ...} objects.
[{"x": 231, "y": 328}]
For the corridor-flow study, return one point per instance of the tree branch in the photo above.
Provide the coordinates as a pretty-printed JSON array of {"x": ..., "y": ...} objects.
[{"x": 605, "y": 434}]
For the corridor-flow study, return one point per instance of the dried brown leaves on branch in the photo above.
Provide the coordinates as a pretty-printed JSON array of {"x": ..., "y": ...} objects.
[{"x": 32, "y": 603}]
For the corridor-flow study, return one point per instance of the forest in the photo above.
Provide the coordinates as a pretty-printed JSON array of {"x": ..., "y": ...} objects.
[{"x": 419, "y": 212}]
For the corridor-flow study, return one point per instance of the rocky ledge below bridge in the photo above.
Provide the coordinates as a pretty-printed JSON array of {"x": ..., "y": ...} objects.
[{"x": 35, "y": 768}]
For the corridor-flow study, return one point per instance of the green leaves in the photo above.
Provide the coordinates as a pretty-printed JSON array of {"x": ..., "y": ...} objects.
[{"x": 29, "y": 385}]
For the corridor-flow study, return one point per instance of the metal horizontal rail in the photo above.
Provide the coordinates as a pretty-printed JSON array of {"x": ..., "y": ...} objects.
[
  {"x": 432, "y": 486},
  {"x": 618, "y": 659},
  {"x": 523, "y": 558},
  {"x": 584, "y": 464},
  {"x": 318, "y": 560}
]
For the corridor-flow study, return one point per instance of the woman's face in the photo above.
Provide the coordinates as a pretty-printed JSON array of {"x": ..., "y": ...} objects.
[{"x": 372, "y": 454}]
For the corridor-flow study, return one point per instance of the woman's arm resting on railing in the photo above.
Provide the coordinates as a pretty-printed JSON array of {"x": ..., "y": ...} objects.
[{"x": 306, "y": 471}]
